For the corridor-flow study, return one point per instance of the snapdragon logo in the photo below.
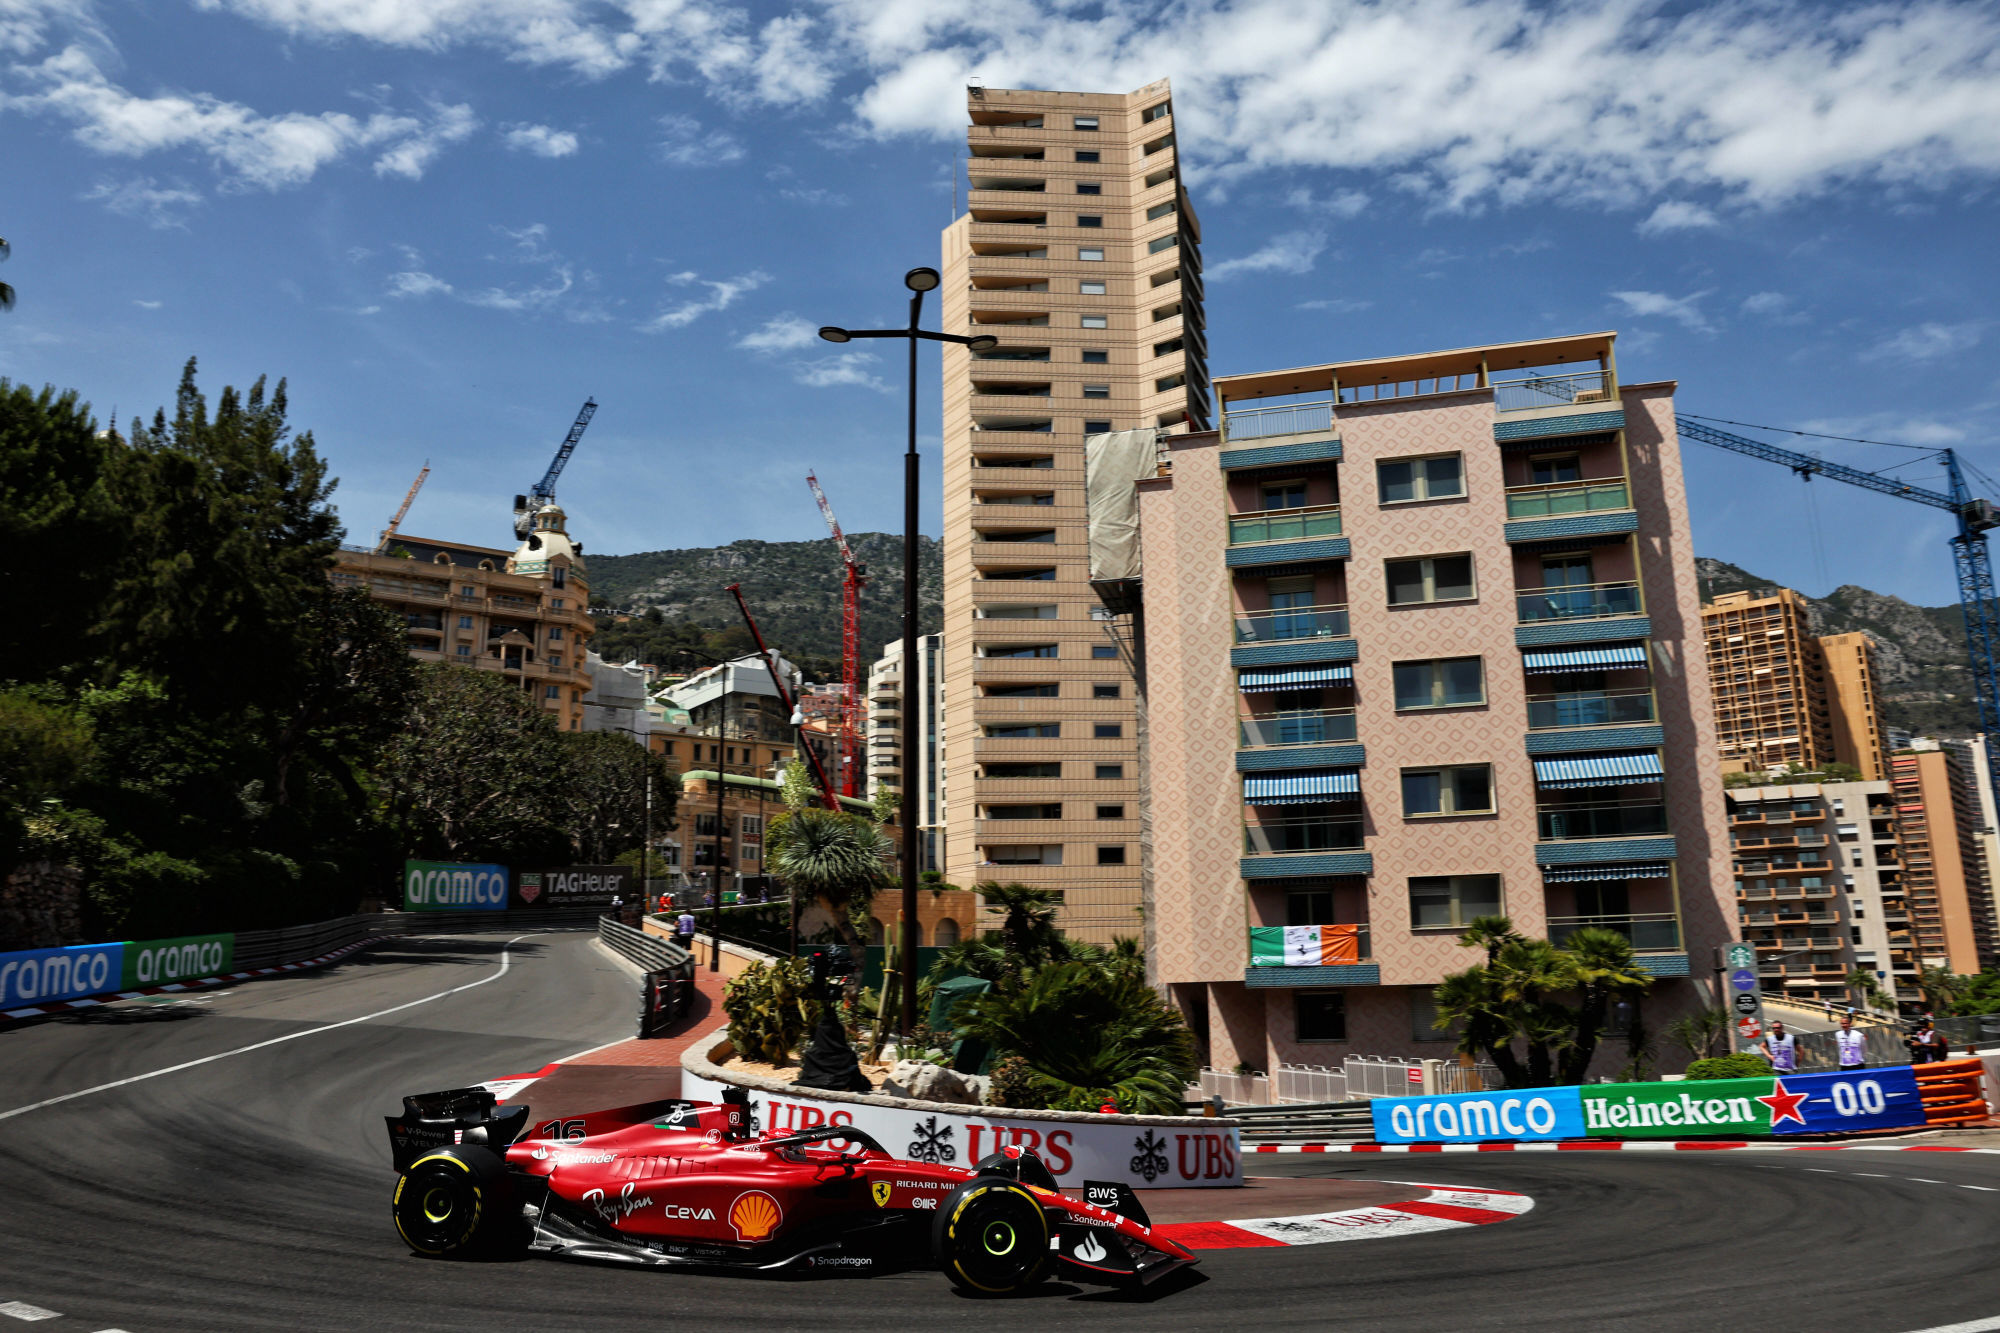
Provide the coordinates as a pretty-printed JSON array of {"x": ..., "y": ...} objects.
[
  {"x": 432, "y": 886},
  {"x": 1549, "y": 1113}
]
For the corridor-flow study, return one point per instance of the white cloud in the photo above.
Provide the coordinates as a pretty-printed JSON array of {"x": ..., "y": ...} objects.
[
  {"x": 786, "y": 333},
  {"x": 267, "y": 152},
  {"x": 529, "y": 246},
  {"x": 1336, "y": 306},
  {"x": 1292, "y": 252},
  {"x": 1925, "y": 431},
  {"x": 1340, "y": 204},
  {"x": 147, "y": 305},
  {"x": 1683, "y": 310},
  {"x": 416, "y": 283},
  {"x": 1677, "y": 215},
  {"x": 849, "y": 368},
  {"x": 541, "y": 140},
  {"x": 143, "y": 197},
  {"x": 1766, "y": 303},
  {"x": 683, "y": 143},
  {"x": 1931, "y": 340},
  {"x": 721, "y": 295}
]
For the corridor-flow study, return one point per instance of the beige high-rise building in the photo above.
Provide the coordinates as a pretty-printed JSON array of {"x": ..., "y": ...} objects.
[
  {"x": 1785, "y": 696},
  {"x": 1079, "y": 251}
]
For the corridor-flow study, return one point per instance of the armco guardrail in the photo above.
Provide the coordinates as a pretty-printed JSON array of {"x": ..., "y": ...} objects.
[{"x": 648, "y": 951}]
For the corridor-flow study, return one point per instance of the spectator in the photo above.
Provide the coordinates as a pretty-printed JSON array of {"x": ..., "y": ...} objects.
[
  {"x": 1853, "y": 1048},
  {"x": 1781, "y": 1048},
  {"x": 684, "y": 930},
  {"x": 1928, "y": 1044}
]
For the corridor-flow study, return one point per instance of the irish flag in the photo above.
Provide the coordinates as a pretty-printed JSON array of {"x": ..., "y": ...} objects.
[{"x": 1304, "y": 946}]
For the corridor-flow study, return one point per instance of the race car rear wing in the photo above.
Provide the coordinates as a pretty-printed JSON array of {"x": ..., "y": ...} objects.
[{"x": 456, "y": 1115}]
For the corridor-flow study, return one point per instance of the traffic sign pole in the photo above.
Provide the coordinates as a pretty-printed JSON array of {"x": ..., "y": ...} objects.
[{"x": 1746, "y": 1002}]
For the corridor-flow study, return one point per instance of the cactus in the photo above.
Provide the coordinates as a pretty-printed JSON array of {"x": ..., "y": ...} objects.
[{"x": 770, "y": 1010}]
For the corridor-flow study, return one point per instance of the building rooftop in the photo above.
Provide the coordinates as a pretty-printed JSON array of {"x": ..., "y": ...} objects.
[{"x": 1490, "y": 358}]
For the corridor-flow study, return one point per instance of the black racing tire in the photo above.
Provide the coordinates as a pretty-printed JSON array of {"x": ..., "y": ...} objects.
[
  {"x": 454, "y": 1202},
  {"x": 991, "y": 1237}
]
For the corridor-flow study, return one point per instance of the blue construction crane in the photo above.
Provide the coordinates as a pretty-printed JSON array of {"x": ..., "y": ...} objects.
[
  {"x": 1968, "y": 549},
  {"x": 544, "y": 490}
]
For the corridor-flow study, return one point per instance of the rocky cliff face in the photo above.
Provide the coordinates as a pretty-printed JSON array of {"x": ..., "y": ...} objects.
[{"x": 1920, "y": 654}]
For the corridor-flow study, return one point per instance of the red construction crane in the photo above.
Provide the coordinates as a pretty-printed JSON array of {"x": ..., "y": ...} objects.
[
  {"x": 784, "y": 696},
  {"x": 397, "y": 521},
  {"x": 847, "y": 729}
]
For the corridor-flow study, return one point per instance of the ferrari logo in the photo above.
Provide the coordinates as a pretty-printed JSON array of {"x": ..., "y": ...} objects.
[{"x": 882, "y": 1190}]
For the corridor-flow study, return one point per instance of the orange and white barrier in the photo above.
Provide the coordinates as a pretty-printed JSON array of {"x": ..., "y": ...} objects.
[{"x": 1954, "y": 1091}]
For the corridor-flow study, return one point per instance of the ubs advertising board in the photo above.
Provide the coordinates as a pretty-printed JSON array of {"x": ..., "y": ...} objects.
[
  {"x": 445, "y": 886},
  {"x": 573, "y": 886},
  {"x": 1146, "y": 1156},
  {"x": 1727, "y": 1108}
]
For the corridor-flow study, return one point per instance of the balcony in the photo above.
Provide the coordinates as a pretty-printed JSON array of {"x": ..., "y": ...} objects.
[
  {"x": 1571, "y": 509},
  {"x": 1261, "y": 423},
  {"x": 1285, "y": 525},
  {"x": 1650, "y": 932},
  {"x": 1303, "y": 727},
  {"x": 1288, "y": 624},
  {"x": 1339, "y": 956},
  {"x": 1541, "y": 391},
  {"x": 1620, "y": 819},
  {"x": 1289, "y": 837},
  {"x": 1582, "y": 613},
  {"x": 1600, "y": 708}
]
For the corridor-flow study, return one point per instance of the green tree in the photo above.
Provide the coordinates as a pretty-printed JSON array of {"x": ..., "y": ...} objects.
[
  {"x": 1942, "y": 989},
  {"x": 1090, "y": 1036},
  {"x": 56, "y": 501},
  {"x": 1026, "y": 931},
  {"x": 6, "y": 292},
  {"x": 606, "y": 795},
  {"x": 1606, "y": 971},
  {"x": 840, "y": 859},
  {"x": 478, "y": 771},
  {"x": 1868, "y": 991},
  {"x": 1701, "y": 1034}
]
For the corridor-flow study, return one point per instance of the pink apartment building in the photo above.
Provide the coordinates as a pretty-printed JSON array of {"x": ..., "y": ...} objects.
[{"x": 1419, "y": 640}]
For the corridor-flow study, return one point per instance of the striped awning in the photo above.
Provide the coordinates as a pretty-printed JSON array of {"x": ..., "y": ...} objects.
[
  {"x": 1303, "y": 786},
  {"x": 1600, "y": 770},
  {"x": 1294, "y": 678},
  {"x": 1616, "y": 870},
  {"x": 1586, "y": 659}
]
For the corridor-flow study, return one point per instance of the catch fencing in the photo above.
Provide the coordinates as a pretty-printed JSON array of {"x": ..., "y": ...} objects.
[{"x": 1358, "y": 1077}]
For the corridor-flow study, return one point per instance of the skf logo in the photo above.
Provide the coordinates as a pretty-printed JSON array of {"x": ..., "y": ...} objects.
[
  {"x": 882, "y": 1190},
  {"x": 755, "y": 1215}
]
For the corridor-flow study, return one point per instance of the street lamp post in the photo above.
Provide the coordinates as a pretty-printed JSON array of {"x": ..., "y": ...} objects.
[{"x": 919, "y": 281}]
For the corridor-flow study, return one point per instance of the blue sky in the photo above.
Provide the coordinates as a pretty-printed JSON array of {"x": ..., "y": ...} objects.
[{"x": 448, "y": 223}]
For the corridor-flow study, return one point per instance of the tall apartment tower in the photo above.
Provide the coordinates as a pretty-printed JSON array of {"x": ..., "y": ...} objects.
[
  {"x": 1784, "y": 696},
  {"x": 1944, "y": 858},
  {"x": 1079, "y": 251}
]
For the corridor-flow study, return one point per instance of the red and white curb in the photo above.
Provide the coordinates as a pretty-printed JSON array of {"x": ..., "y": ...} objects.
[
  {"x": 1445, "y": 1208},
  {"x": 1606, "y": 1145},
  {"x": 69, "y": 1006},
  {"x": 506, "y": 1089}
]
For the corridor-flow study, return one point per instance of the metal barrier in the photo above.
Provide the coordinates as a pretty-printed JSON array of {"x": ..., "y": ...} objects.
[
  {"x": 1304, "y": 1084},
  {"x": 668, "y": 989},
  {"x": 298, "y": 944},
  {"x": 1248, "y": 1089},
  {"x": 1383, "y": 1076}
]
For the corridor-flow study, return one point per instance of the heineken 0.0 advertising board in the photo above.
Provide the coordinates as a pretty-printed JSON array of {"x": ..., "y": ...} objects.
[{"x": 442, "y": 886}]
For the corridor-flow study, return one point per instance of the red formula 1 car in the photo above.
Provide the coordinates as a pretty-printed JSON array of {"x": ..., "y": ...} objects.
[{"x": 680, "y": 1183}]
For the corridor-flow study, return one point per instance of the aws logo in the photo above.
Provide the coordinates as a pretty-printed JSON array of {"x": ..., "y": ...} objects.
[{"x": 755, "y": 1215}]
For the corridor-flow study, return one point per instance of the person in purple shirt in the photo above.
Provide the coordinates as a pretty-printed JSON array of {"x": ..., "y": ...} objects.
[
  {"x": 1853, "y": 1049},
  {"x": 1781, "y": 1048}
]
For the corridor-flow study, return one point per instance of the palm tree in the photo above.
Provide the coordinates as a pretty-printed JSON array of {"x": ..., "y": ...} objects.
[
  {"x": 1700, "y": 1032},
  {"x": 1941, "y": 988},
  {"x": 1089, "y": 1035},
  {"x": 1484, "y": 1027},
  {"x": 1867, "y": 988},
  {"x": 6, "y": 292},
  {"x": 831, "y": 856},
  {"x": 1027, "y": 929},
  {"x": 1491, "y": 933},
  {"x": 1606, "y": 970}
]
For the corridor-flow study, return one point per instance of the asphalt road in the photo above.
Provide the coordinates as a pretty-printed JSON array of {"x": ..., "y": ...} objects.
[{"x": 251, "y": 1191}]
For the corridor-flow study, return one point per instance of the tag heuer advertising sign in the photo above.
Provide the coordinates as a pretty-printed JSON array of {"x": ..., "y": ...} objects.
[{"x": 574, "y": 886}]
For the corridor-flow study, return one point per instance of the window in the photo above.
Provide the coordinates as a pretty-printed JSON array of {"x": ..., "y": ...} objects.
[
  {"x": 1423, "y": 1018},
  {"x": 1019, "y": 730},
  {"x": 1089, "y": 187},
  {"x": 1438, "y": 901},
  {"x": 1163, "y": 243},
  {"x": 1157, "y": 111},
  {"x": 467, "y": 590},
  {"x": 1024, "y": 770},
  {"x": 465, "y": 650},
  {"x": 465, "y": 622},
  {"x": 1087, "y": 155},
  {"x": 1090, "y": 288},
  {"x": 1086, "y": 122},
  {"x": 1096, "y": 322},
  {"x": 1096, "y": 427},
  {"x": 704, "y": 826},
  {"x": 1111, "y": 812},
  {"x": 1170, "y": 346},
  {"x": 1047, "y": 691},
  {"x": 1018, "y": 650},
  {"x": 555, "y": 633},
  {"x": 1038, "y": 575},
  {"x": 1449, "y": 682},
  {"x": 1107, "y": 731},
  {"x": 1159, "y": 211},
  {"x": 752, "y": 826},
  {"x": 1551, "y": 469},
  {"x": 1104, "y": 650},
  {"x": 1464, "y": 790},
  {"x": 1091, "y": 254},
  {"x": 558, "y": 575},
  {"x": 1096, "y": 357},
  {"x": 1309, "y": 907},
  {"x": 1089, "y": 220},
  {"x": 1420, "y": 478},
  {"x": 556, "y": 602},
  {"x": 1319, "y": 1015},
  {"x": 1434, "y": 578},
  {"x": 1284, "y": 495},
  {"x": 1029, "y": 855},
  {"x": 552, "y": 692},
  {"x": 1052, "y": 810},
  {"x": 1017, "y": 612},
  {"x": 1097, "y": 391},
  {"x": 1104, "y": 692},
  {"x": 1111, "y": 856},
  {"x": 1110, "y": 772},
  {"x": 555, "y": 659}
]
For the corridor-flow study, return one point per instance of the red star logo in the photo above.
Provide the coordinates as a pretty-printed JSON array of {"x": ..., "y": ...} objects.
[{"x": 1784, "y": 1105}]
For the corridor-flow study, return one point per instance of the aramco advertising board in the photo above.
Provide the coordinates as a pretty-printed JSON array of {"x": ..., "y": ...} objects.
[{"x": 445, "y": 886}]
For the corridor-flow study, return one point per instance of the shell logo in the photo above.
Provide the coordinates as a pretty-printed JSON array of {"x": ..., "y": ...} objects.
[{"x": 755, "y": 1215}]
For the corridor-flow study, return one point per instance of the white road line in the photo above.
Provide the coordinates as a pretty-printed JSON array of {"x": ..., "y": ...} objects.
[
  {"x": 1923, "y": 1181},
  {"x": 23, "y": 1310},
  {"x": 1969, "y": 1326},
  {"x": 615, "y": 1041},
  {"x": 506, "y": 960}
]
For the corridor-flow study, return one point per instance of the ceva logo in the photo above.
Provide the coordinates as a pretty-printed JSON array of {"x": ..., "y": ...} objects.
[{"x": 432, "y": 886}]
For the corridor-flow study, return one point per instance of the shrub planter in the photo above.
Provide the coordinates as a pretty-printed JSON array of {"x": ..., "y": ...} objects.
[{"x": 1144, "y": 1151}]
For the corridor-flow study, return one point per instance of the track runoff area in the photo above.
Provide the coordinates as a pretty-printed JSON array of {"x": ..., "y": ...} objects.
[{"x": 215, "y": 1160}]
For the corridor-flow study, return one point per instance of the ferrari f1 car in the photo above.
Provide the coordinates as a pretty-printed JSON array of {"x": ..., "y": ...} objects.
[{"x": 694, "y": 1184}]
